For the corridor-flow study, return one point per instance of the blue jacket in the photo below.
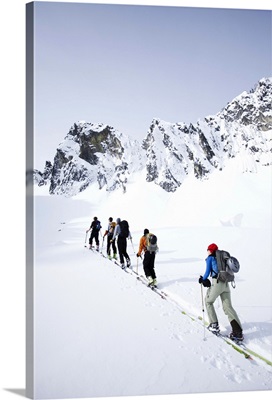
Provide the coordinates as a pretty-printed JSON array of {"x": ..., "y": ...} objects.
[{"x": 211, "y": 267}]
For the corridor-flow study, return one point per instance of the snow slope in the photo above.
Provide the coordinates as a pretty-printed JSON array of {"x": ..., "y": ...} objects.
[{"x": 99, "y": 332}]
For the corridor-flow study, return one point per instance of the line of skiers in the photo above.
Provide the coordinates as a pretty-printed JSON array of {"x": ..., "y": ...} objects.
[
  {"x": 148, "y": 247},
  {"x": 119, "y": 231}
]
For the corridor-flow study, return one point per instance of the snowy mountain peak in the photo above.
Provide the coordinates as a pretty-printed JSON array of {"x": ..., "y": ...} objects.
[
  {"x": 97, "y": 153},
  {"x": 90, "y": 153},
  {"x": 252, "y": 108}
]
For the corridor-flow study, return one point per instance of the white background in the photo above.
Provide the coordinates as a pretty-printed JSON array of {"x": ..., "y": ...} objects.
[{"x": 12, "y": 281}]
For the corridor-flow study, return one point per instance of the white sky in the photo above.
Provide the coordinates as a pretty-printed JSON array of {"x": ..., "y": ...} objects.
[{"x": 123, "y": 65}]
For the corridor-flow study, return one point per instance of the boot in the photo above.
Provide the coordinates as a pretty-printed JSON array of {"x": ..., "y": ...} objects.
[
  {"x": 238, "y": 337},
  {"x": 150, "y": 280},
  {"x": 214, "y": 327},
  {"x": 237, "y": 332}
]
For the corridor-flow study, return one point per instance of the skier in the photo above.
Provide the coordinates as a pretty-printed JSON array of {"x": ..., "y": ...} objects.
[
  {"x": 122, "y": 232},
  {"x": 94, "y": 228},
  {"x": 109, "y": 233},
  {"x": 149, "y": 259},
  {"x": 216, "y": 289}
]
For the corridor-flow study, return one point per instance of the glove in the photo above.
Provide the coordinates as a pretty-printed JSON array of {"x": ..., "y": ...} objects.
[
  {"x": 138, "y": 255},
  {"x": 206, "y": 283}
]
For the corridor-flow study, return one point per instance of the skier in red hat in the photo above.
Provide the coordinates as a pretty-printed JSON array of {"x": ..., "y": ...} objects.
[{"x": 215, "y": 289}]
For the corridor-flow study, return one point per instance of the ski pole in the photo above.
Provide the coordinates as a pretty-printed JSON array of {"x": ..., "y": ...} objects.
[
  {"x": 102, "y": 245},
  {"x": 203, "y": 311},
  {"x": 132, "y": 245},
  {"x": 137, "y": 263},
  {"x": 86, "y": 238}
]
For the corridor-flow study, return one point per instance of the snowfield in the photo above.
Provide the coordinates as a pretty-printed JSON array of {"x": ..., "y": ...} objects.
[{"x": 100, "y": 332}]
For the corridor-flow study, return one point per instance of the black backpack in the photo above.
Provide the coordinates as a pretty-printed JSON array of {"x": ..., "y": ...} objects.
[
  {"x": 227, "y": 266},
  {"x": 151, "y": 242},
  {"x": 124, "y": 229},
  {"x": 98, "y": 225}
]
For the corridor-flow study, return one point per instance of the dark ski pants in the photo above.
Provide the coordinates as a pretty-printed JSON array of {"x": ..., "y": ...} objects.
[
  {"x": 109, "y": 244},
  {"x": 149, "y": 264},
  {"x": 122, "y": 249},
  {"x": 94, "y": 235}
]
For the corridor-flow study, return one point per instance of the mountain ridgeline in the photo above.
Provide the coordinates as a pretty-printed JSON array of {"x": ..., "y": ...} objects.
[{"x": 101, "y": 155}]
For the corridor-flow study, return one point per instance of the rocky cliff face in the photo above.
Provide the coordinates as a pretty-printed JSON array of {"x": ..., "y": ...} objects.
[
  {"x": 242, "y": 129},
  {"x": 174, "y": 151},
  {"x": 170, "y": 152},
  {"x": 253, "y": 108},
  {"x": 90, "y": 153}
]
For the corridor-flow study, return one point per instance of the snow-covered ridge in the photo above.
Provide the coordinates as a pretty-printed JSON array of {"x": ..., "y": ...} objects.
[
  {"x": 91, "y": 153},
  {"x": 96, "y": 153}
]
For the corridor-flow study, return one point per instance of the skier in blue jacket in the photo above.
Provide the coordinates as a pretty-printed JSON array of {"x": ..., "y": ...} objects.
[{"x": 216, "y": 289}]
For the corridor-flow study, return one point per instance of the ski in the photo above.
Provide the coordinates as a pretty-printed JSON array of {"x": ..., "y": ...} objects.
[
  {"x": 103, "y": 255},
  {"x": 92, "y": 249},
  {"x": 237, "y": 345},
  {"x": 119, "y": 265},
  {"x": 240, "y": 346},
  {"x": 155, "y": 289}
]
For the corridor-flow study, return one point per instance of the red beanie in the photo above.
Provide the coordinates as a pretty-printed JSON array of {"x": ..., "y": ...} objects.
[{"x": 212, "y": 247}]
